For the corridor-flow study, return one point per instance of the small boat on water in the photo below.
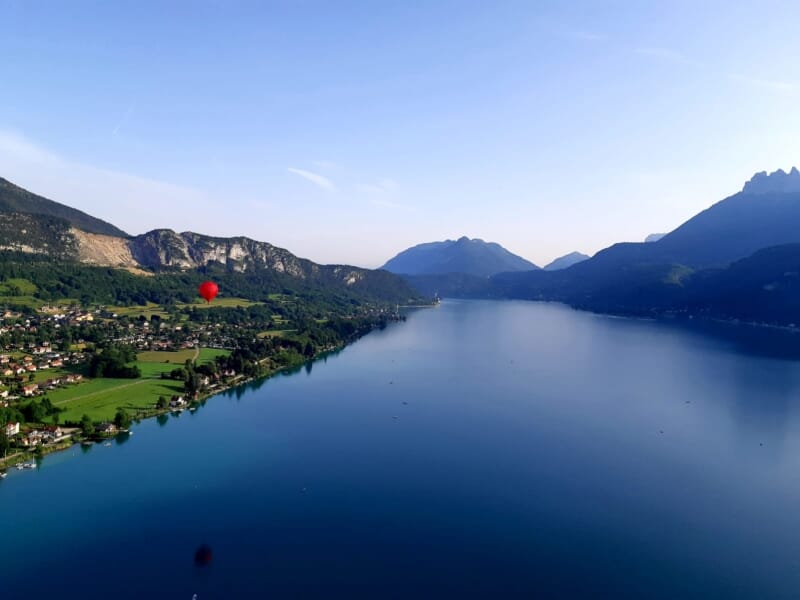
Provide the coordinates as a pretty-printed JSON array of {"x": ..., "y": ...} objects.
[
  {"x": 107, "y": 444},
  {"x": 30, "y": 465},
  {"x": 192, "y": 409},
  {"x": 3, "y": 475},
  {"x": 19, "y": 467},
  {"x": 86, "y": 443}
]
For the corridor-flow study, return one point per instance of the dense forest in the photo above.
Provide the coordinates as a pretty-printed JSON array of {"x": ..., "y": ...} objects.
[{"x": 56, "y": 280}]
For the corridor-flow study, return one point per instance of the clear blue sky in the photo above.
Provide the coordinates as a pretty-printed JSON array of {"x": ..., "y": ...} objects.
[{"x": 347, "y": 131}]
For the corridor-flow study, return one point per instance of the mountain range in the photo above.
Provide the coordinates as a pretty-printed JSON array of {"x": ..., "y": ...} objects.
[
  {"x": 36, "y": 228},
  {"x": 699, "y": 268},
  {"x": 739, "y": 259}
]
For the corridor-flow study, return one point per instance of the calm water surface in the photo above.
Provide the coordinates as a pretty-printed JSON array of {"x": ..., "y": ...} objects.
[{"x": 481, "y": 449}]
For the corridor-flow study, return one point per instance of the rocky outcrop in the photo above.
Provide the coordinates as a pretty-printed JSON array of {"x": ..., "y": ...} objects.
[
  {"x": 165, "y": 248},
  {"x": 103, "y": 250},
  {"x": 37, "y": 234},
  {"x": 160, "y": 249},
  {"x": 779, "y": 181}
]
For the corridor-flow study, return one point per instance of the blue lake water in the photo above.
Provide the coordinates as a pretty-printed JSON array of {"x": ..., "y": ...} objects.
[{"x": 536, "y": 452}]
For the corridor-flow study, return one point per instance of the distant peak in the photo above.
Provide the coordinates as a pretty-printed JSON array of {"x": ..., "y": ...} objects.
[
  {"x": 566, "y": 261},
  {"x": 777, "y": 181}
]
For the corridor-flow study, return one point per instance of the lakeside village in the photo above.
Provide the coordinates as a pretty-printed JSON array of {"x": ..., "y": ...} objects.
[{"x": 72, "y": 375}]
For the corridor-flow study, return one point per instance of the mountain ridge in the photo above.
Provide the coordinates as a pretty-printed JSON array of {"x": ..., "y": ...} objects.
[
  {"x": 467, "y": 256},
  {"x": 14, "y": 199},
  {"x": 54, "y": 234}
]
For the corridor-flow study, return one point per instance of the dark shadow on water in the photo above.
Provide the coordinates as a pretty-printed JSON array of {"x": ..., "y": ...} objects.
[
  {"x": 766, "y": 342},
  {"x": 162, "y": 420}
]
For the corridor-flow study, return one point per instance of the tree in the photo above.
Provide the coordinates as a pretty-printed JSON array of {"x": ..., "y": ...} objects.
[
  {"x": 31, "y": 377},
  {"x": 34, "y": 412},
  {"x": 87, "y": 426},
  {"x": 4, "y": 443},
  {"x": 162, "y": 402},
  {"x": 114, "y": 362},
  {"x": 122, "y": 419},
  {"x": 192, "y": 384}
]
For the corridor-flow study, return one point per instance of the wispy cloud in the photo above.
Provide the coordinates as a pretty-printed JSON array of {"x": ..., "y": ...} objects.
[
  {"x": 666, "y": 54},
  {"x": 382, "y": 193},
  {"x": 315, "y": 178},
  {"x": 770, "y": 84},
  {"x": 123, "y": 120},
  {"x": 384, "y": 186},
  {"x": 130, "y": 201}
]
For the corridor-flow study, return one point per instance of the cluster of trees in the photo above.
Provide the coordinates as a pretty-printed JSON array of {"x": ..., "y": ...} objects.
[
  {"x": 7, "y": 415},
  {"x": 122, "y": 419},
  {"x": 190, "y": 374},
  {"x": 38, "y": 411},
  {"x": 115, "y": 361},
  {"x": 10, "y": 414},
  {"x": 35, "y": 411}
]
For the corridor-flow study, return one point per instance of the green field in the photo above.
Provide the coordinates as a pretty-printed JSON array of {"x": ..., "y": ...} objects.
[
  {"x": 100, "y": 398},
  {"x": 220, "y": 303},
  {"x": 21, "y": 302},
  {"x": 275, "y": 333},
  {"x": 151, "y": 309},
  {"x": 19, "y": 293},
  {"x": 147, "y": 311},
  {"x": 202, "y": 356},
  {"x": 17, "y": 287}
]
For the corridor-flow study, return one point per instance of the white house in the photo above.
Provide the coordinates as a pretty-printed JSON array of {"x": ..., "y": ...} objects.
[{"x": 12, "y": 429}]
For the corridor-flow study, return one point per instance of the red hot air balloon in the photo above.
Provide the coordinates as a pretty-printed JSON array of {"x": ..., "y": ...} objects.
[{"x": 208, "y": 290}]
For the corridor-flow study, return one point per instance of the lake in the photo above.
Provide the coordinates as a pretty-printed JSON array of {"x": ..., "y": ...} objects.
[{"x": 480, "y": 449}]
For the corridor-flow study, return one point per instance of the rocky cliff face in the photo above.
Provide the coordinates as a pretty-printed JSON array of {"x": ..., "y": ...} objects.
[
  {"x": 37, "y": 234},
  {"x": 165, "y": 248},
  {"x": 160, "y": 249},
  {"x": 779, "y": 181}
]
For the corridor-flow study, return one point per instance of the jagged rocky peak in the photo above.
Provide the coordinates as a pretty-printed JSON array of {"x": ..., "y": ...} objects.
[
  {"x": 187, "y": 250},
  {"x": 779, "y": 181}
]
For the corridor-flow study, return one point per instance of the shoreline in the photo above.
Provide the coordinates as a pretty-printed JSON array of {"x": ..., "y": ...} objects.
[{"x": 24, "y": 456}]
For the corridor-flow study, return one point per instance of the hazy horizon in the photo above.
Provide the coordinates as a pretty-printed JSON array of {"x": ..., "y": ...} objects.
[{"x": 347, "y": 133}]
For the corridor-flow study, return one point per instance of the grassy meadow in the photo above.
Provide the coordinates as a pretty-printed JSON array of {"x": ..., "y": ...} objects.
[{"x": 100, "y": 398}]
